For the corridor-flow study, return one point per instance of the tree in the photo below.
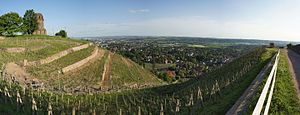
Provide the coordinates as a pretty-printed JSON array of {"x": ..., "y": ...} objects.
[
  {"x": 10, "y": 24},
  {"x": 62, "y": 33},
  {"x": 29, "y": 22},
  {"x": 289, "y": 45}
]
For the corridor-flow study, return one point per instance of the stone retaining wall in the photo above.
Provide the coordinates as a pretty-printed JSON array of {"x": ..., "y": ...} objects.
[
  {"x": 81, "y": 62},
  {"x": 13, "y": 50},
  {"x": 58, "y": 55}
]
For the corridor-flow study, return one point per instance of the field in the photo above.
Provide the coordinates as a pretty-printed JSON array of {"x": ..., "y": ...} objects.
[{"x": 197, "y": 46}]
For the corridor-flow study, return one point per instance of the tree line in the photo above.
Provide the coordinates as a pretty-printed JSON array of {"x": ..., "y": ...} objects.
[{"x": 12, "y": 24}]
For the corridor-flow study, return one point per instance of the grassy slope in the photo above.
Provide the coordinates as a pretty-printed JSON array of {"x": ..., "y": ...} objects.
[
  {"x": 109, "y": 99},
  {"x": 49, "y": 70},
  {"x": 48, "y": 46},
  {"x": 230, "y": 95},
  {"x": 90, "y": 75},
  {"x": 51, "y": 45},
  {"x": 285, "y": 99},
  {"x": 132, "y": 73}
]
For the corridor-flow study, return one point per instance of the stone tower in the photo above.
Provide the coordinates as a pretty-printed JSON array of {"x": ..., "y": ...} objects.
[{"x": 40, "y": 20}]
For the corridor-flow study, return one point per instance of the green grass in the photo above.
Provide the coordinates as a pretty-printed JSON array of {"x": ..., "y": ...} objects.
[
  {"x": 131, "y": 73},
  {"x": 49, "y": 70},
  {"x": 38, "y": 47},
  {"x": 88, "y": 76},
  {"x": 150, "y": 99},
  {"x": 197, "y": 46},
  {"x": 230, "y": 95},
  {"x": 285, "y": 99}
]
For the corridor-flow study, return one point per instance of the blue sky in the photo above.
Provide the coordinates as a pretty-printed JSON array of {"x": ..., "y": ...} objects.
[{"x": 260, "y": 19}]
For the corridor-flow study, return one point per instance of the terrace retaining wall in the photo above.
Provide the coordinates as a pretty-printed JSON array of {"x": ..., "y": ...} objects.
[
  {"x": 13, "y": 50},
  {"x": 81, "y": 62},
  {"x": 58, "y": 55}
]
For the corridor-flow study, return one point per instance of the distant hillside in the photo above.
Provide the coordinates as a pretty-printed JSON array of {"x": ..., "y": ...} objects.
[
  {"x": 204, "y": 40},
  {"x": 42, "y": 59}
]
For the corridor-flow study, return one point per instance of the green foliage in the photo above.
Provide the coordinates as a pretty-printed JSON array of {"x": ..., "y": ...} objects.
[
  {"x": 285, "y": 99},
  {"x": 289, "y": 45},
  {"x": 62, "y": 33},
  {"x": 29, "y": 22},
  {"x": 125, "y": 71},
  {"x": 10, "y": 24},
  {"x": 164, "y": 76}
]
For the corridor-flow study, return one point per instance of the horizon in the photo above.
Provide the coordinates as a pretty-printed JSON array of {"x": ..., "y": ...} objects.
[
  {"x": 200, "y": 37},
  {"x": 258, "y": 19}
]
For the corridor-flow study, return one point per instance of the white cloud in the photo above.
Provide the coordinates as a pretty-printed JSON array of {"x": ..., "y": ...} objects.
[{"x": 138, "y": 10}]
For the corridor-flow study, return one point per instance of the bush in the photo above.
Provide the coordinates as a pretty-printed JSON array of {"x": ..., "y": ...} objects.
[{"x": 62, "y": 33}]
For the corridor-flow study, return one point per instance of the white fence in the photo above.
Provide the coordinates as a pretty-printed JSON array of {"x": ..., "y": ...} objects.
[{"x": 267, "y": 88}]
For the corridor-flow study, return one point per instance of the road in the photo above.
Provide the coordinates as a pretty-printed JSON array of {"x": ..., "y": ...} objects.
[
  {"x": 241, "y": 105},
  {"x": 294, "y": 67}
]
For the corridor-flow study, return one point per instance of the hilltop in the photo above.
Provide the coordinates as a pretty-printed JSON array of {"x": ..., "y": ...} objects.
[{"x": 69, "y": 65}]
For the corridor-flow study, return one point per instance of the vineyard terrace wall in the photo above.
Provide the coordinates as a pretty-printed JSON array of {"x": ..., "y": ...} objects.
[
  {"x": 13, "y": 50},
  {"x": 81, "y": 62},
  {"x": 57, "y": 56}
]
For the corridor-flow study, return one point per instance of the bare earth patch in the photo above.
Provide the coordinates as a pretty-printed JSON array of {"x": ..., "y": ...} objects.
[
  {"x": 17, "y": 74},
  {"x": 106, "y": 76}
]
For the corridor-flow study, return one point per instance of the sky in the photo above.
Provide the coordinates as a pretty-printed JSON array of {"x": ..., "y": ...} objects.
[{"x": 251, "y": 19}]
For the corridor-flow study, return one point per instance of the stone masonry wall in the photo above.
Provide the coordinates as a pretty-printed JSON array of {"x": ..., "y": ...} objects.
[
  {"x": 13, "y": 50},
  {"x": 81, "y": 62},
  {"x": 58, "y": 55}
]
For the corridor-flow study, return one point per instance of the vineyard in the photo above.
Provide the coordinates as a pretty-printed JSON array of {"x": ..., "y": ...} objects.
[{"x": 213, "y": 93}]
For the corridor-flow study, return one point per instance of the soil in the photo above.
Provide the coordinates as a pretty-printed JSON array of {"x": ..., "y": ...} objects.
[
  {"x": 106, "y": 76},
  {"x": 17, "y": 74}
]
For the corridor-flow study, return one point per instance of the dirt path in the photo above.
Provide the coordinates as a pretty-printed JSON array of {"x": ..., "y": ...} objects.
[
  {"x": 106, "y": 75},
  {"x": 294, "y": 67},
  {"x": 241, "y": 105}
]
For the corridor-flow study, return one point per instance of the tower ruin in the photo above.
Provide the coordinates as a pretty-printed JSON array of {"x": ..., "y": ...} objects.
[{"x": 40, "y": 21}]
